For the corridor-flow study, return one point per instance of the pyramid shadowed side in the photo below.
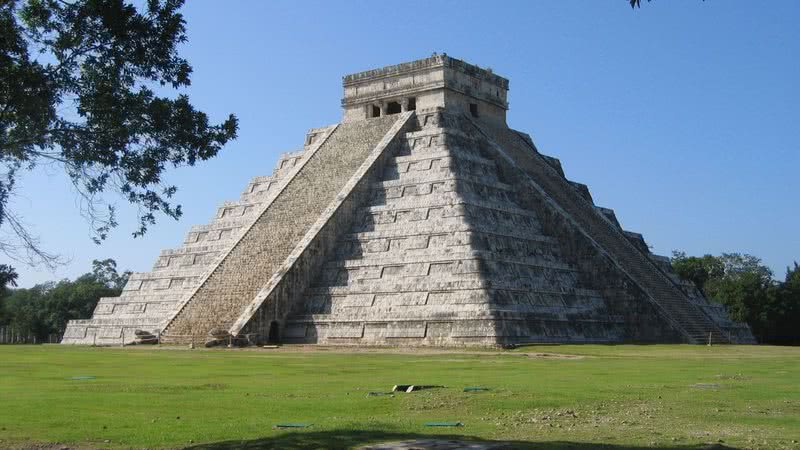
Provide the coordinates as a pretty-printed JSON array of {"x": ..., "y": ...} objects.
[
  {"x": 451, "y": 250},
  {"x": 639, "y": 288},
  {"x": 443, "y": 254}
]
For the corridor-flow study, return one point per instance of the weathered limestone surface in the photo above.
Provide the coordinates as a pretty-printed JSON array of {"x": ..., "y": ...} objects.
[
  {"x": 284, "y": 291},
  {"x": 670, "y": 301},
  {"x": 444, "y": 255},
  {"x": 244, "y": 271},
  {"x": 150, "y": 299},
  {"x": 454, "y": 248},
  {"x": 421, "y": 219}
]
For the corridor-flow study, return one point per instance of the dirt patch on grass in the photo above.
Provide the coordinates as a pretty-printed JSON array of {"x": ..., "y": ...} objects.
[
  {"x": 553, "y": 355},
  {"x": 45, "y": 446},
  {"x": 304, "y": 348}
]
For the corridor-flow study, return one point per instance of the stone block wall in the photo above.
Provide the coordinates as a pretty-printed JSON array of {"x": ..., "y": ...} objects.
[
  {"x": 443, "y": 255},
  {"x": 267, "y": 243},
  {"x": 600, "y": 229},
  {"x": 150, "y": 299},
  {"x": 418, "y": 229},
  {"x": 284, "y": 292}
]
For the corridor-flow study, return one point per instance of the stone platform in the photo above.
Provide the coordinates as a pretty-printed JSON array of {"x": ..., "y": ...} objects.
[{"x": 424, "y": 220}]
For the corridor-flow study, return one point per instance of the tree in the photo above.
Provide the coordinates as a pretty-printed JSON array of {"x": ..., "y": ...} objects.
[
  {"x": 8, "y": 278},
  {"x": 697, "y": 269},
  {"x": 78, "y": 85},
  {"x": 747, "y": 289},
  {"x": 46, "y": 308},
  {"x": 105, "y": 272},
  {"x": 792, "y": 281},
  {"x": 71, "y": 300},
  {"x": 738, "y": 263},
  {"x": 787, "y": 309},
  {"x": 23, "y": 310},
  {"x": 747, "y": 296}
]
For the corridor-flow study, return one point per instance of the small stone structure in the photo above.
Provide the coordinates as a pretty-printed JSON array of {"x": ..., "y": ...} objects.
[{"x": 420, "y": 219}]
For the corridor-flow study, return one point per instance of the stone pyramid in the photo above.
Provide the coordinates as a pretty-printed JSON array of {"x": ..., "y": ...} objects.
[{"x": 420, "y": 219}]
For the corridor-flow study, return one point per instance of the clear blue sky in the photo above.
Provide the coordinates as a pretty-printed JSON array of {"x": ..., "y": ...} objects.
[{"x": 683, "y": 116}]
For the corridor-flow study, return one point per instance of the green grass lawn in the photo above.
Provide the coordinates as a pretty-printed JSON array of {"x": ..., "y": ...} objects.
[{"x": 669, "y": 396}]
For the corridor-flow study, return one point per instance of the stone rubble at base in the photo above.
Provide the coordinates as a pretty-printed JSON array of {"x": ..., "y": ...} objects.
[{"x": 421, "y": 219}]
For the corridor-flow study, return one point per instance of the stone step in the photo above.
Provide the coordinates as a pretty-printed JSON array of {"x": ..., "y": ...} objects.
[
  {"x": 443, "y": 154},
  {"x": 423, "y": 181},
  {"x": 451, "y": 287},
  {"x": 263, "y": 248},
  {"x": 606, "y": 234},
  {"x": 462, "y": 255},
  {"x": 150, "y": 298}
]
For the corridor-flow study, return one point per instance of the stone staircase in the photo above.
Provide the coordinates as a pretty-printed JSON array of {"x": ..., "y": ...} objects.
[
  {"x": 150, "y": 299},
  {"x": 441, "y": 254},
  {"x": 263, "y": 248},
  {"x": 694, "y": 324}
]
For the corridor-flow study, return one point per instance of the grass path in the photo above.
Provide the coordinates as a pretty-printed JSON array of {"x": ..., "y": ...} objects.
[{"x": 670, "y": 396}]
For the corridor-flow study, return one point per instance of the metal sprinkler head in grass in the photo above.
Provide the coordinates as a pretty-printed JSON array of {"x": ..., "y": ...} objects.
[{"x": 444, "y": 424}]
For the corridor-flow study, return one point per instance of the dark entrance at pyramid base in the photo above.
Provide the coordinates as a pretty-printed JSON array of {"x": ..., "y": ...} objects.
[{"x": 274, "y": 336}]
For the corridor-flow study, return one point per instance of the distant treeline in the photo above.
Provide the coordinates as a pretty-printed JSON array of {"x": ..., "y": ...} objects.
[
  {"x": 740, "y": 282},
  {"x": 749, "y": 292},
  {"x": 44, "y": 310}
]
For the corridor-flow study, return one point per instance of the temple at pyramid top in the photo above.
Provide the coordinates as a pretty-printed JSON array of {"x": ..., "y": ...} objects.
[{"x": 439, "y": 81}]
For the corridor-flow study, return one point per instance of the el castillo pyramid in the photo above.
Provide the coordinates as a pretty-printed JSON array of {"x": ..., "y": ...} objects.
[{"x": 420, "y": 219}]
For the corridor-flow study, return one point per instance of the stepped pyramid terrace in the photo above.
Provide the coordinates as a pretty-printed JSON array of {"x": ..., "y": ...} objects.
[{"x": 421, "y": 219}]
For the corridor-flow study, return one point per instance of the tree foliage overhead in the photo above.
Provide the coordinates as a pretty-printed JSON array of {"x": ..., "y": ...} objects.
[{"x": 78, "y": 83}]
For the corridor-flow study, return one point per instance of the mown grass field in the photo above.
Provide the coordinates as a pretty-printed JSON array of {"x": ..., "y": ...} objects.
[{"x": 666, "y": 396}]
